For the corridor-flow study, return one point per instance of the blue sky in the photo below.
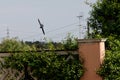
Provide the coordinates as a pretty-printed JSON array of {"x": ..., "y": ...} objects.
[{"x": 58, "y": 16}]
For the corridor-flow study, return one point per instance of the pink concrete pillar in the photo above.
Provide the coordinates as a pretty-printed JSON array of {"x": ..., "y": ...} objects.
[{"x": 92, "y": 52}]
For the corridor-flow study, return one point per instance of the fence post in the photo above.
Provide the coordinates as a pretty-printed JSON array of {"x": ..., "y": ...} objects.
[{"x": 92, "y": 52}]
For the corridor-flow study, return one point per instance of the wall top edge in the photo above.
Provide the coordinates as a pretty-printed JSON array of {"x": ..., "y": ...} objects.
[{"x": 91, "y": 40}]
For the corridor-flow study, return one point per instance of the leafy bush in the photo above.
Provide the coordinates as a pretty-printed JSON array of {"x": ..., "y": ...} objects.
[
  {"x": 113, "y": 43},
  {"x": 70, "y": 43},
  {"x": 14, "y": 45},
  {"x": 43, "y": 66},
  {"x": 110, "y": 69}
]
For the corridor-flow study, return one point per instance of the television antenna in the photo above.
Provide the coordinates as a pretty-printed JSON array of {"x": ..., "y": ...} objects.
[
  {"x": 8, "y": 33},
  {"x": 80, "y": 27}
]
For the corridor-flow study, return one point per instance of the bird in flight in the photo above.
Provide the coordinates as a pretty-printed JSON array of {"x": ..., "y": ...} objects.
[{"x": 41, "y": 26}]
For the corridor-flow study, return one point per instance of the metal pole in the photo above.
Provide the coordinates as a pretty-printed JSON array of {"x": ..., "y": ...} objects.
[{"x": 80, "y": 27}]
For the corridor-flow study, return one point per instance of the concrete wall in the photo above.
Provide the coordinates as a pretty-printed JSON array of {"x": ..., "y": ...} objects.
[{"x": 92, "y": 53}]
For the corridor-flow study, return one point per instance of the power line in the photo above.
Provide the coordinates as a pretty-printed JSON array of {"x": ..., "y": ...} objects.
[
  {"x": 52, "y": 30},
  {"x": 55, "y": 36},
  {"x": 18, "y": 31},
  {"x": 62, "y": 27}
]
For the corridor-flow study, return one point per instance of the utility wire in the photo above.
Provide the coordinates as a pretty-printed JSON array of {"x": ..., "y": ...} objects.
[
  {"x": 62, "y": 27},
  {"x": 23, "y": 32},
  {"x": 63, "y": 33},
  {"x": 52, "y": 30}
]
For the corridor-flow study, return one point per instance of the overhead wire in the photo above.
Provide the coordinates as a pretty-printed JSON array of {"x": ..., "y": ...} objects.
[
  {"x": 21, "y": 32},
  {"x": 64, "y": 34},
  {"x": 52, "y": 30},
  {"x": 62, "y": 27}
]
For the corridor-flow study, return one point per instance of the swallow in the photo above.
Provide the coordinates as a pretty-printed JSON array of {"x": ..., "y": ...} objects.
[{"x": 41, "y": 26}]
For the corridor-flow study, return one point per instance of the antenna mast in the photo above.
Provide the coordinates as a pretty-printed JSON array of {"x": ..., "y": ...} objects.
[
  {"x": 80, "y": 26},
  {"x": 8, "y": 33},
  {"x": 88, "y": 29}
]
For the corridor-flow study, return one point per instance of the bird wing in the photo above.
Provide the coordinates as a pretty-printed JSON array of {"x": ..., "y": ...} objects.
[
  {"x": 39, "y": 21},
  {"x": 41, "y": 26},
  {"x": 43, "y": 31}
]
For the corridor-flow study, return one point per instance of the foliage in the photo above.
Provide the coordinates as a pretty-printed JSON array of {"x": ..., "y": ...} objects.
[
  {"x": 110, "y": 69},
  {"x": 104, "y": 21},
  {"x": 43, "y": 65},
  {"x": 20, "y": 62},
  {"x": 45, "y": 45},
  {"x": 13, "y": 45},
  {"x": 38, "y": 45},
  {"x": 112, "y": 43},
  {"x": 105, "y": 17},
  {"x": 70, "y": 43},
  {"x": 54, "y": 67}
]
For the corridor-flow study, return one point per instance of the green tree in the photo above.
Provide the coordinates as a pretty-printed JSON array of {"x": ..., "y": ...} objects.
[
  {"x": 105, "y": 17},
  {"x": 110, "y": 69},
  {"x": 70, "y": 43},
  {"x": 112, "y": 44},
  {"x": 104, "y": 20},
  {"x": 14, "y": 45}
]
